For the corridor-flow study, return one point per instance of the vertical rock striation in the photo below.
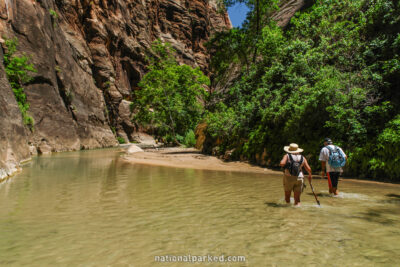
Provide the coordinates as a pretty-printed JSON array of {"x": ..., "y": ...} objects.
[
  {"x": 90, "y": 55},
  {"x": 13, "y": 136},
  {"x": 287, "y": 9}
]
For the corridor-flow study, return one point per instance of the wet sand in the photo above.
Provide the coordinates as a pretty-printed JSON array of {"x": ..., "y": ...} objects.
[
  {"x": 179, "y": 157},
  {"x": 191, "y": 158}
]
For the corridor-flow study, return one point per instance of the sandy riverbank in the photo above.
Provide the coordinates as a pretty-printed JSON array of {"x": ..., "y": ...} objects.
[{"x": 191, "y": 158}]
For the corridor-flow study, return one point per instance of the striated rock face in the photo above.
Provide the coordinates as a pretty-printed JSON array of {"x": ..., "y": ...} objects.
[
  {"x": 13, "y": 138},
  {"x": 90, "y": 55},
  {"x": 287, "y": 8}
]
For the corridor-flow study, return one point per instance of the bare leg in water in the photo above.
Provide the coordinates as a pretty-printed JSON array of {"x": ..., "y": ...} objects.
[
  {"x": 287, "y": 196},
  {"x": 335, "y": 191},
  {"x": 297, "y": 198}
]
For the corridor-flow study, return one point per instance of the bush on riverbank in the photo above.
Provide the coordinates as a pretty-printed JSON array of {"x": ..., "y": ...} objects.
[{"x": 170, "y": 99}]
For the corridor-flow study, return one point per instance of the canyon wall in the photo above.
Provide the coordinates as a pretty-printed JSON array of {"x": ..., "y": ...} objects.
[
  {"x": 89, "y": 56},
  {"x": 13, "y": 135}
]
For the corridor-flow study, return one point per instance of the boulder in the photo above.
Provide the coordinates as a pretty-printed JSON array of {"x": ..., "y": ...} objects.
[
  {"x": 144, "y": 138},
  {"x": 133, "y": 149},
  {"x": 44, "y": 148},
  {"x": 200, "y": 135}
]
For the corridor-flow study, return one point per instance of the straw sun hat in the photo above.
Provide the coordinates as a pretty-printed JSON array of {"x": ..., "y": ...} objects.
[{"x": 292, "y": 148}]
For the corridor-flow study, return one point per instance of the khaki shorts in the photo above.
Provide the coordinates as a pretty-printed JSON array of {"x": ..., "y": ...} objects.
[{"x": 290, "y": 183}]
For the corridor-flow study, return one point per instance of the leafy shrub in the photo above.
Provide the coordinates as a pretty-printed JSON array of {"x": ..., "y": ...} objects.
[
  {"x": 169, "y": 99},
  {"x": 53, "y": 13},
  {"x": 190, "y": 139},
  {"x": 387, "y": 158},
  {"x": 17, "y": 70},
  {"x": 54, "y": 16},
  {"x": 121, "y": 140}
]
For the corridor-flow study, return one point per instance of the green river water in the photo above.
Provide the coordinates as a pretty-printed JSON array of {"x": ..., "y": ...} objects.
[{"x": 91, "y": 208}]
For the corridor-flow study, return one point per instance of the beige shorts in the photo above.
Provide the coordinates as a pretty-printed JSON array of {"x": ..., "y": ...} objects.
[{"x": 290, "y": 183}]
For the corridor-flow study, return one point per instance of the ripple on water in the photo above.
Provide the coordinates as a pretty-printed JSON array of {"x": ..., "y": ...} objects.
[{"x": 89, "y": 208}]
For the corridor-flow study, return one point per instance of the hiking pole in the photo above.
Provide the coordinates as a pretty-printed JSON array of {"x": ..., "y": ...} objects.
[{"x": 312, "y": 189}]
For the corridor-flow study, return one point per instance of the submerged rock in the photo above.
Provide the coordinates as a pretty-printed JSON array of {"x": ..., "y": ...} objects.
[{"x": 44, "y": 149}]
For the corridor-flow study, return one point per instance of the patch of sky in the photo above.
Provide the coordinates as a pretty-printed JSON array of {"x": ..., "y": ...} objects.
[{"x": 237, "y": 14}]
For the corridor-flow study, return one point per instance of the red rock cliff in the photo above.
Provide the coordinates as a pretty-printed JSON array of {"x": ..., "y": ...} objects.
[{"x": 90, "y": 56}]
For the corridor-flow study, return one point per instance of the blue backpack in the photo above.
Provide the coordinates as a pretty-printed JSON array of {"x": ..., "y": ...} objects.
[{"x": 336, "y": 157}]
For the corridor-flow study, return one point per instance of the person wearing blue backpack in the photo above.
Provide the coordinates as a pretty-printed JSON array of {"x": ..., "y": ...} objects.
[{"x": 332, "y": 160}]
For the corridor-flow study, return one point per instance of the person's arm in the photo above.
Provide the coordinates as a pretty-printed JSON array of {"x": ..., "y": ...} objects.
[
  {"x": 323, "y": 157},
  {"x": 308, "y": 169},
  {"x": 323, "y": 165},
  {"x": 283, "y": 161}
]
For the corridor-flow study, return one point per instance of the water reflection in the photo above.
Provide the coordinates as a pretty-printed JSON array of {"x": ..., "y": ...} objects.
[{"x": 92, "y": 208}]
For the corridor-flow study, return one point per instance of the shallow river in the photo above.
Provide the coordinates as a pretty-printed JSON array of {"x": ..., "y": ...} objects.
[{"x": 91, "y": 209}]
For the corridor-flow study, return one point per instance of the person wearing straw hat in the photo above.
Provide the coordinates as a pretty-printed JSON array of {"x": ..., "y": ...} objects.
[{"x": 293, "y": 163}]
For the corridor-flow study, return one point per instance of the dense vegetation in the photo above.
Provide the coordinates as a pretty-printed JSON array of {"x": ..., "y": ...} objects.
[
  {"x": 169, "y": 102},
  {"x": 334, "y": 71},
  {"x": 18, "y": 71}
]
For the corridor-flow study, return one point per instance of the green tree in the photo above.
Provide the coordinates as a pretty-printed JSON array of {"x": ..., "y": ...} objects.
[
  {"x": 334, "y": 71},
  {"x": 229, "y": 47},
  {"x": 260, "y": 14},
  {"x": 170, "y": 96}
]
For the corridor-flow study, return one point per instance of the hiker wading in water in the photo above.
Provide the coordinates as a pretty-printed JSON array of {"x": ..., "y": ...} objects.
[
  {"x": 293, "y": 162},
  {"x": 332, "y": 159}
]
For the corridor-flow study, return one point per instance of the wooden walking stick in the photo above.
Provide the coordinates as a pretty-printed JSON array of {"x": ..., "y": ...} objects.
[{"x": 312, "y": 189}]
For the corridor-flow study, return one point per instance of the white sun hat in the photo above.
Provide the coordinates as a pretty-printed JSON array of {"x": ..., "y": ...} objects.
[{"x": 292, "y": 148}]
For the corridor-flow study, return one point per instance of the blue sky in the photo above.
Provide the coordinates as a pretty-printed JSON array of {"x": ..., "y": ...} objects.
[{"x": 237, "y": 13}]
